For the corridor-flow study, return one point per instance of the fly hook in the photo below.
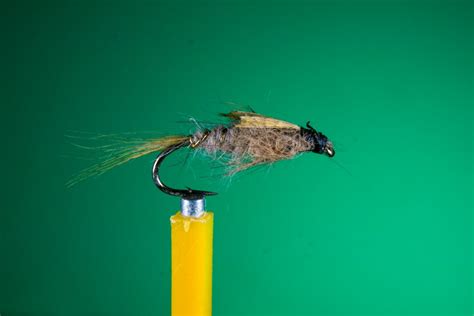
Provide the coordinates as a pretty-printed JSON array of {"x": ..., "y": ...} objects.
[
  {"x": 185, "y": 194},
  {"x": 247, "y": 140}
]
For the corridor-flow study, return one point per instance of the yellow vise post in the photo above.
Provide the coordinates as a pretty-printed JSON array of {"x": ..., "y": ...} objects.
[{"x": 191, "y": 264}]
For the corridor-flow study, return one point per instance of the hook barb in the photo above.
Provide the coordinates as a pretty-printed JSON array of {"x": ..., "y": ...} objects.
[{"x": 187, "y": 194}]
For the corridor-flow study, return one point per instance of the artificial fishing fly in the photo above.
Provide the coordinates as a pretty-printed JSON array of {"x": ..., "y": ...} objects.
[{"x": 247, "y": 140}]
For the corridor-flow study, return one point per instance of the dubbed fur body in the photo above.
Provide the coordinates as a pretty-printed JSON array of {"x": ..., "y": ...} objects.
[{"x": 248, "y": 147}]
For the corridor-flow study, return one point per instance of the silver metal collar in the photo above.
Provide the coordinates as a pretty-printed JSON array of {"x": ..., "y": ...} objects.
[{"x": 193, "y": 208}]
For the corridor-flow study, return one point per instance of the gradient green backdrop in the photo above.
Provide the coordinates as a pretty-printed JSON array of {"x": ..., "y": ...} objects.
[{"x": 391, "y": 83}]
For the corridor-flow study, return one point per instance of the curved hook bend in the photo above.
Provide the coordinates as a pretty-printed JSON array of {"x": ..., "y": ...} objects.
[{"x": 187, "y": 194}]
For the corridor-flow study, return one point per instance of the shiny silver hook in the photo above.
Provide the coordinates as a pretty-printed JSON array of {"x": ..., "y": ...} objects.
[{"x": 186, "y": 194}]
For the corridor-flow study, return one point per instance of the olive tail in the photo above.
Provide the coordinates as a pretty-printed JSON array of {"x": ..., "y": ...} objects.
[{"x": 123, "y": 151}]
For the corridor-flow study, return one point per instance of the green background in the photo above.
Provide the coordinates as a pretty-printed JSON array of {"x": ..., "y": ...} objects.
[{"x": 391, "y": 83}]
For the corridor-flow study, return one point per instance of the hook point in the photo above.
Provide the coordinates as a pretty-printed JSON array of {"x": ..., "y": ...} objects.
[{"x": 188, "y": 193}]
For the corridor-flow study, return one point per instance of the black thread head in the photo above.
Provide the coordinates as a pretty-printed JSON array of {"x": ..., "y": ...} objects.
[{"x": 321, "y": 144}]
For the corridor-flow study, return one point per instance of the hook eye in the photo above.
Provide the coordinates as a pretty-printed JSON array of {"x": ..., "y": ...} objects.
[
  {"x": 330, "y": 152},
  {"x": 188, "y": 194}
]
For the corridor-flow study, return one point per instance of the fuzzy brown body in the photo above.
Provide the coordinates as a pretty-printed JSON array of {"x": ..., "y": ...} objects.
[{"x": 245, "y": 147}]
